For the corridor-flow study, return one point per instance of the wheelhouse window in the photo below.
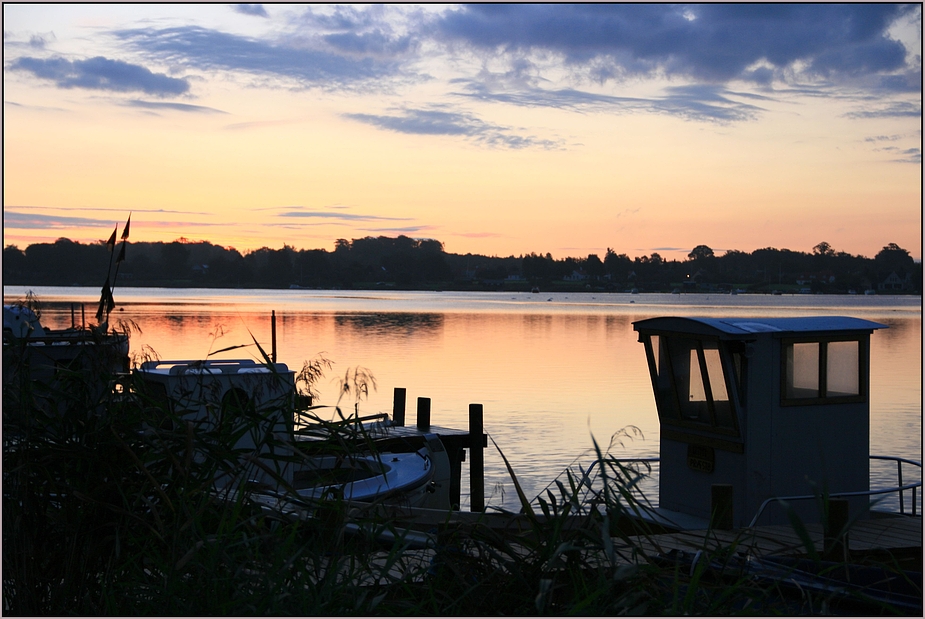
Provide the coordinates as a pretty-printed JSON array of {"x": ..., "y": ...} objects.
[
  {"x": 693, "y": 379},
  {"x": 821, "y": 371}
]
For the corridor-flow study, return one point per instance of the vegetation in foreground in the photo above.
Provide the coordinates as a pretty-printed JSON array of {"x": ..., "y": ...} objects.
[{"x": 109, "y": 509}]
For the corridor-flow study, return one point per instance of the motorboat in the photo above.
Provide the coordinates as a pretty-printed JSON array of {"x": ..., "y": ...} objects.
[
  {"x": 759, "y": 416},
  {"x": 39, "y": 354},
  {"x": 279, "y": 471}
]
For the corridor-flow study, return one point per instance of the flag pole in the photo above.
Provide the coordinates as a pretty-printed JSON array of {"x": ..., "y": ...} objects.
[
  {"x": 121, "y": 257},
  {"x": 106, "y": 293}
]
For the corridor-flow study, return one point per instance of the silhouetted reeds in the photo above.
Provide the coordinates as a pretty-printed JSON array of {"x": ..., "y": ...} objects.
[{"x": 110, "y": 508}]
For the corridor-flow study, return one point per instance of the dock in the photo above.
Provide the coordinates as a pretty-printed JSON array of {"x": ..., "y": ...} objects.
[{"x": 877, "y": 536}]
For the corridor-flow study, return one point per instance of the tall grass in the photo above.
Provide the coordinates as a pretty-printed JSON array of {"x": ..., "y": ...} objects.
[{"x": 110, "y": 508}]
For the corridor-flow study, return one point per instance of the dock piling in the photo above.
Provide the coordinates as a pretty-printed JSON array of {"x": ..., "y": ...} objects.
[
  {"x": 476, "y": 459},
  {"x": 835, "y": 533},
  {"x": 424, "y": 414},
  {"x": 273, "y": 334},
  {"x": 398, "y": 406},
  {"x": 721, "y": 506}
]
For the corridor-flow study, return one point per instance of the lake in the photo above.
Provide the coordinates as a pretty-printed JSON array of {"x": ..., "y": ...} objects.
[{"x": 552, "y": 370}]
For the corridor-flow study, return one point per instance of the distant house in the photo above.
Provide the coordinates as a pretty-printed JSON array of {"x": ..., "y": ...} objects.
[
  {"x": 576, "y": 276},
  {"x": 825, "y": 277},
  {"x": 894, "y": 282},
  {"x": 200, "y": 270}
]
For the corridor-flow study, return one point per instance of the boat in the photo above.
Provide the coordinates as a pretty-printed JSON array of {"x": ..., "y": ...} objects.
[
  {"x": 761, "y": 417},
  {"x": 43, "y": 355},
  {"x": 281, "y": 470}
]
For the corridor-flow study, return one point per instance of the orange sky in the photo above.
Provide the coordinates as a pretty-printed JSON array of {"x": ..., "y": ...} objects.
[{"x": 618, "y": 126}]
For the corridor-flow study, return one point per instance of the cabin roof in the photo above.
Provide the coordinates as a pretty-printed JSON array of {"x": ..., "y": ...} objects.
[{"x": 750, "y": 325}]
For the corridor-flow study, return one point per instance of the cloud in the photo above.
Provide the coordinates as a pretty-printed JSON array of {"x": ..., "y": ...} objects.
[
  {"x": 337, "y": 216},
  {"x": 715, "y": 43},
  {"x": 101, "y": 73},
  {"x": 910, "y": 155},
  {"x": 176, "y": 107},
  {"x": 211, "y": 50},
  {"x": 404, "y": 230},
  {"x": 898, "y": 109},
  {"x": 38, "y": 221},
  {"x": 440, "y": 122},
  {"x": 695, "y": 102},
  {"x": 256, "y": 10}
]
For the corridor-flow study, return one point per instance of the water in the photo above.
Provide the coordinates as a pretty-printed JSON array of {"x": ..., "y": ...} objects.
[{"x": 554, "y": 371}]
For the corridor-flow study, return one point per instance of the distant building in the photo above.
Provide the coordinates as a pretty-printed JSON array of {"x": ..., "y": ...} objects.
[{"x": 895, "y": 283}]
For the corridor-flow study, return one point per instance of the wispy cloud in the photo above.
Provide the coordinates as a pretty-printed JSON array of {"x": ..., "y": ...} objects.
[
  {"x": 440, "y": 122},
  {"x": 897, "y": 109},
  {"x": 101, "y": 73},
  {"x": 694, "y": 102},
  {"x": 309, "y": 214},
  {"x": 175, "y": 107},
  {"x": 212, "y": 50}
]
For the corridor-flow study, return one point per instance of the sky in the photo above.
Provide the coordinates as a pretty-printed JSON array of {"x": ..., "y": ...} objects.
[{"x": 495, "y": 129}]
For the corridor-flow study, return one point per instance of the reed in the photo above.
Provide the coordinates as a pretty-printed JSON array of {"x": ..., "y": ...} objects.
[{"x": 110, "y": 508}]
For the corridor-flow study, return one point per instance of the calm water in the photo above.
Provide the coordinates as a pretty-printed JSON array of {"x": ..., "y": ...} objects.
[{"x": 552, "y": 370}]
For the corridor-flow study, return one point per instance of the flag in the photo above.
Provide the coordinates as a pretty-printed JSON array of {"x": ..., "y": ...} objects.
[
  {"x": 111, "y": 243},
  {"x": 107, "y": 303},
  {"x": 121, "y": 257},
  {"x": 127, "y": 224}
]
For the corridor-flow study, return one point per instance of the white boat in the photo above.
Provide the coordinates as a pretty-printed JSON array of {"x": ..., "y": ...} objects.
[
  {"x": 38, "y": 353},
  {"x": 274, "y": 466}
]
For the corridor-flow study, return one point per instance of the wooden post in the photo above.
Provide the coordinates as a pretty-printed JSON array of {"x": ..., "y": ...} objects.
[
  {"x": 836, "y": 522},
  {"x": 398, "y": 407},
  {"x": 424, "y": 414},
  {"x": 476, "y": 459},
  {"x": 73, "y": 324},
  {"x": 273, "y": 335},
  {"x": 83, "y": 317},
  {"x": 721, "y": 506}
]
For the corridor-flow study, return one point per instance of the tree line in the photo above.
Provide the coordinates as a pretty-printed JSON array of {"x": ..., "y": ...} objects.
[{"x": 405, "y": 263}]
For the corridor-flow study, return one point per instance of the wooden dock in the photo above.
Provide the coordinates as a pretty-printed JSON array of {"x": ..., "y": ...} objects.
[{"x": 901, "y": 534}]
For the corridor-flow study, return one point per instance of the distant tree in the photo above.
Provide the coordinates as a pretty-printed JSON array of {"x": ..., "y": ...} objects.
[
  {"x": 823, "y": 249},
  {"x": 700, "y": 252},
  {"x": 174, "y": 260},
  {"x": 594, "y": 267},
  {"x": 893, "y": 258}
]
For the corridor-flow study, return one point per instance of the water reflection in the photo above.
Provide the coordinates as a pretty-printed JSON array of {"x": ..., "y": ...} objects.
[{"x": 392, "y": 324}]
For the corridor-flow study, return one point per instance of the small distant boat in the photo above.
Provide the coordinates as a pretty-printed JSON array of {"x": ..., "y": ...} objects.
[
  {"x": 870, "y": 291},
  {"x": 535, "y": 290}
]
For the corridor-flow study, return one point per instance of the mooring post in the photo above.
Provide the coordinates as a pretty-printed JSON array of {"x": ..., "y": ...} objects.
[
  {"x": 72, "y": 316},
  {"x": 836, "y": 522},
  {"x": 476, "y": 459},
  {"x": 398, "y": 407},
  {"x": 721, "y": 506},
  {"x": 273, "y": 335},
  {"x": 424, "y": 414},
  {"x": 83, "y": 318}
]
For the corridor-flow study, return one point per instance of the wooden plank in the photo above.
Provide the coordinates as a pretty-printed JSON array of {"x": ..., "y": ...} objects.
[{"x": 878, "y": 534}]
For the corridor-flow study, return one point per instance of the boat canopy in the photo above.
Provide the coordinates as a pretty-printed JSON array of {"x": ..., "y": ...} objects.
[{"x": 726, "y": 327}]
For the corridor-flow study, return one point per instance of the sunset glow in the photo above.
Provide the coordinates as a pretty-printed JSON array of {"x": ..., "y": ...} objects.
[{"x": 498, "y": 130}]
